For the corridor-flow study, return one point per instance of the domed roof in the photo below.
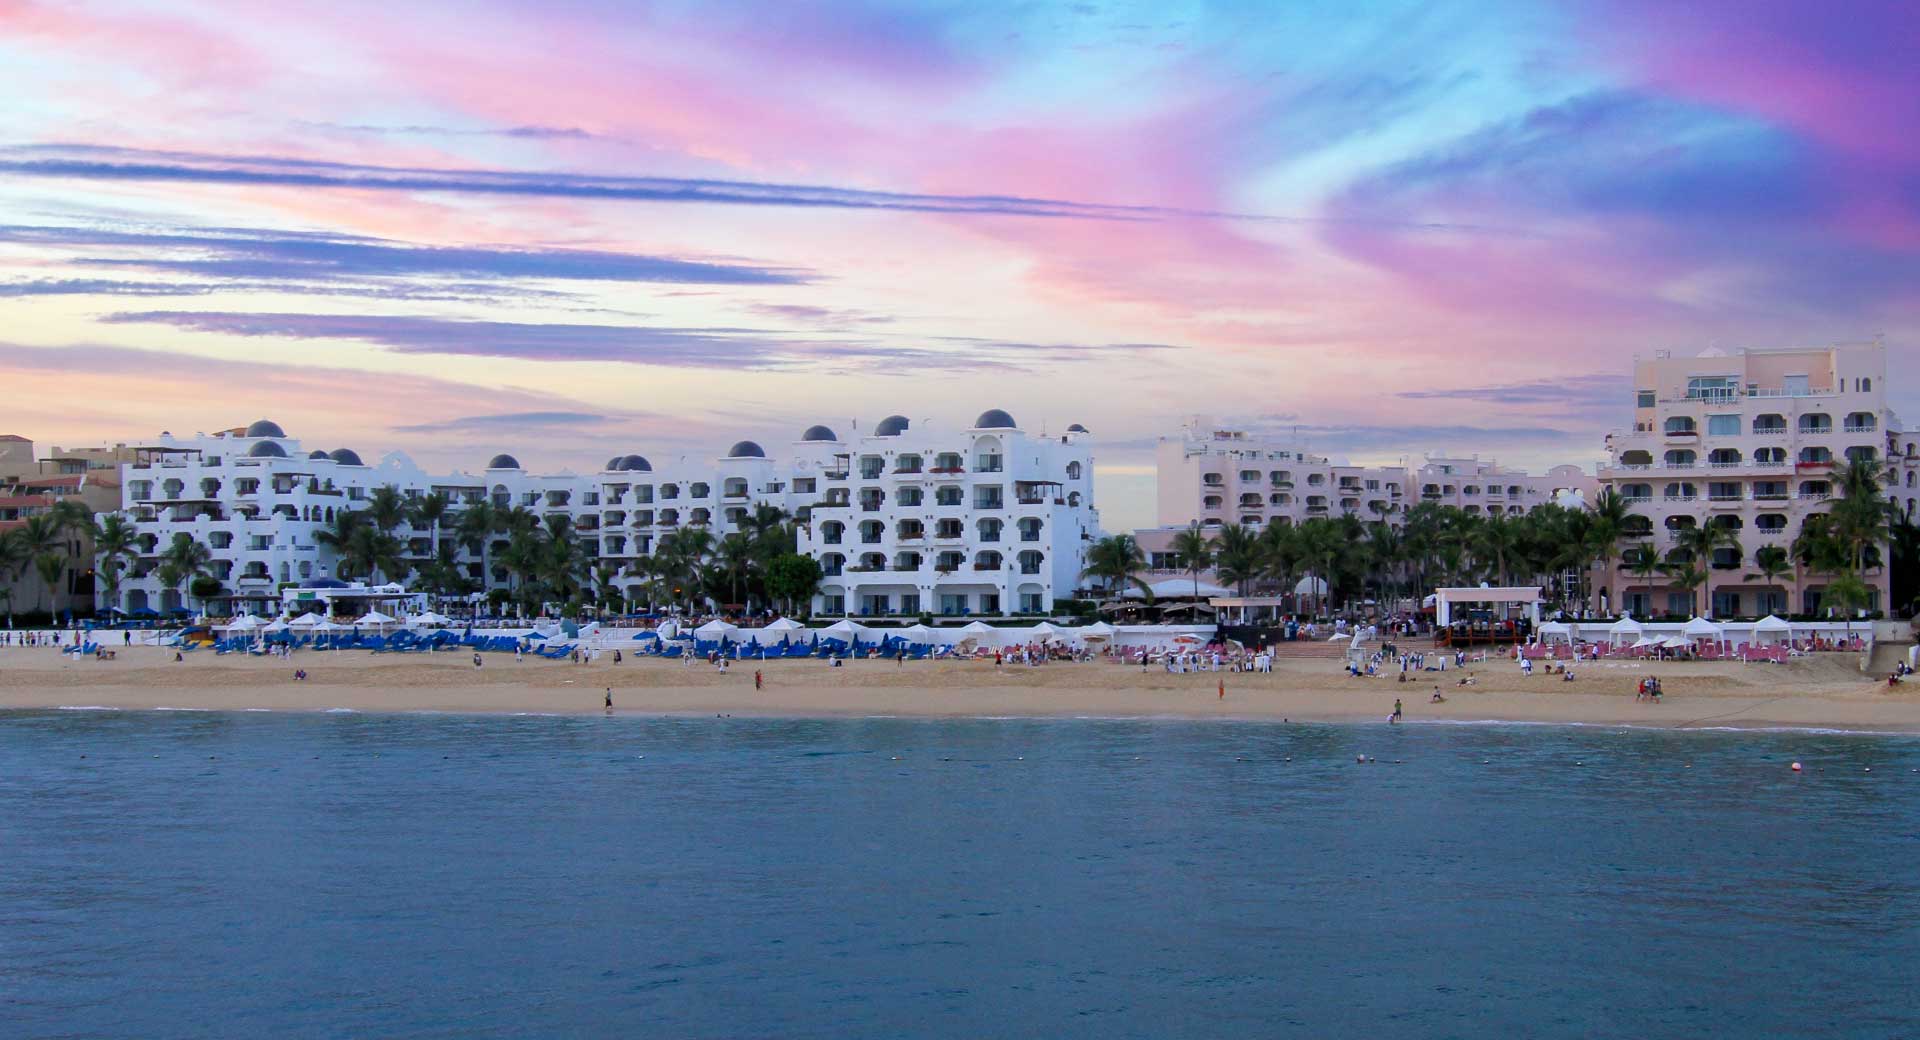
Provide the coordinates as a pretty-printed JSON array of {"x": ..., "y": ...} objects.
[
  {"x": 318, "y": 454},
  {"x": 994, "y": 419},
  {"x": 267, "y": 450},
  {"x": 1076, "y": 428},
  {"x": 346, "y": 457},
  {"x": 265, "y": 428},
  {"x": 891, "y": 426},
  {"x": 503, "y": 462},
  {"x": 634, "y": 464},
  {"x": 613, "y": 464},
  {"x": 746, "y": 450},
  {"x": 819, "y": 433}
]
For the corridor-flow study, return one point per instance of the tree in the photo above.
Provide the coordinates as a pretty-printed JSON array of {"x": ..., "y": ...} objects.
[
  {"x": 1321, "y": 548},
  {"x": 1608, "y": 526},
  {"x": 793, "y": 578},
  {"x": 428, "y": 511},
  {"x": 1685, "y": 572},
  {"x": 184, "y": 559},
  {"x": 1643, "y": 562},
  {"x": 113, "y": 545},
  {"x": 475, "y": 526},
  {"x": 387, "y": 508},
  {"x": 1194, "y": 547},
  {"x": 45, "y": 541},
  {"x": 1236, "y": 555},
  {"x": 1114, "y": 561},
  {"x": 1771, "y": 563},
  {"x": 13, "y": 557},
  {"x": 1701, "y": 542}
]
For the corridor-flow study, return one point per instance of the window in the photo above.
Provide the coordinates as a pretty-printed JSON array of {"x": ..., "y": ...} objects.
[
  {"x": 1646, "y": 398},
  {"x": 1723, "y": 425},
  {"x": 1680, "y": 424},
  {"x": 1712, "y": 388}
]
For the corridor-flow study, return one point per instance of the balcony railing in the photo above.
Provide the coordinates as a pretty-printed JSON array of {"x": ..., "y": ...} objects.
[
  {"x": 1736, "y": 497},
  {"x": 1679, "y": 498},
  {"x": 1814, "y": 496},
  {"x": 1857, "y": 428}
]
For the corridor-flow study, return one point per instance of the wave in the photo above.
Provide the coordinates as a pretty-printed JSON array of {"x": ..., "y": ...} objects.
[
  {"x": 86, "y": 707},
  {"x": 341, "y": 711}
]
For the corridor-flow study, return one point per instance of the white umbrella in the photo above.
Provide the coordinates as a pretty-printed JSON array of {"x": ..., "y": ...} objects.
[
  {"x": 429, "y": 620},
  {"x": 1045, "y": 632},
  {"x": 716, "y": 629},
  {"x": 1676, "y": 642},
  {"x": 374, "y": 617},
  {"x": 243, "y": 623},
  {"x": 917, "y": 633},
  {"x": 1646, "y": 642}
]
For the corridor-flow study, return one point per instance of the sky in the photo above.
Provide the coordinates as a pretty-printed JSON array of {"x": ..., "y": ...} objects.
[{"x": 578, "y": 228}]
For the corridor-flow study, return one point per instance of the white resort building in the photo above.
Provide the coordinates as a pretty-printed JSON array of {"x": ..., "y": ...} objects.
[{"x": 906, "y": 519}]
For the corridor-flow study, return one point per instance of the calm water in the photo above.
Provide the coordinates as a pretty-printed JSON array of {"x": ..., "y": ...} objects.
[{"x": 251, "y": 875}]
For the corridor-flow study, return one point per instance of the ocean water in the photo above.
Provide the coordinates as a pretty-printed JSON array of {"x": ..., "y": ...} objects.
[{"x": 188, "y": 874}]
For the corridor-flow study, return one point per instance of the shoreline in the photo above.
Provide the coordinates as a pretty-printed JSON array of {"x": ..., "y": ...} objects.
[{"x": 1822, "y": 693}]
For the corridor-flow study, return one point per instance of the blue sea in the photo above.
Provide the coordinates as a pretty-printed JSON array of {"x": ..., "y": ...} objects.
[{"x": 186, "y": 874}]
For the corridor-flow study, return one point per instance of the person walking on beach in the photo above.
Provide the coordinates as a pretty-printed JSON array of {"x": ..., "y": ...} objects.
[
  {"x": 1397, "y": 710},
  {"x": 756, "y": 679},
  {"x": 609, "y": 698},
  {"x": 1223, "y": 689}
]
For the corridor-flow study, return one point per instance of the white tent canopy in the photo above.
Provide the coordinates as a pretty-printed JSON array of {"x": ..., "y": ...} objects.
[
  {"x": 1526, "y": 597},
  {"x": 1551, "y": 630},
  {"x": 1044, "y": 632},
  {"x": 784, "y": 625},
  {"x": 328, "y": 626},
  {"x": 1097, "y": 630},
  {"x": 243, "y": 623},
  {"x": 979, "y": 632},
  {"x": 1771, "y": 629},
  {"x": 1676, "y": 642},
  {"x": 429, "y": 620},
  {"x": 716, "y": 629},
  {"x": 374, "y": 617},
  {"x": 306, "y": 620},
  {"x": 1626, "y": 627},
  {"x": 1701, "y": 628},
  {"x": 1177, "y": 588},
  {"x": 917, "y": 633},
  {"x": 276, "y": 626},
  {"x": 844, "y": 629}
]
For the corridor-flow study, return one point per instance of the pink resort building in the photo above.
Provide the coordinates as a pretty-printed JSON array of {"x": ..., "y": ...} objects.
[{"x": 1751, "y": 440}]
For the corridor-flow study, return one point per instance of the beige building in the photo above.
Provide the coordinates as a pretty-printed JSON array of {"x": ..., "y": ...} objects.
[
  {"x": 31, "y": 485},
  {"x": 1750, "y": 440},
  {"x": 1222, "y": 476}
]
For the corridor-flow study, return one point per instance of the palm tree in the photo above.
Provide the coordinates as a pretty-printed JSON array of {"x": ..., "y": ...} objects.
[
  {"x": 1492, "y": 541},
  {"x": 736, "y": 555},
  {"x": 46, "y": 546},
  {"x": 475, "y": 526},
  {"x": 1700, "y": 543},
  {"x": 1114, "y": 560},
  {"x": 185, "y": 559},
  {"x": 1321, "y": 546},
  {"x": 1685, "y": 572},
  {"x": 1279, "y": 555},
  {"x": 1771, "y": 563},
  {"x": 387, "y": 508},
  {"x": 113, "y": 545},
  {"x": 428, "y": 511},
  {"x": 1236, "y": 555},
  {"x": 1194, "y": 547},
  {"x": 1643, "y": 562},
  {"x": 1607, "y": 528},
  {"x": 13, "y": 558}
]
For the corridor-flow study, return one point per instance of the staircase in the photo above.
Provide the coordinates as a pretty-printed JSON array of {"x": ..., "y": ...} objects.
[{"x": 1885, "y": 656}]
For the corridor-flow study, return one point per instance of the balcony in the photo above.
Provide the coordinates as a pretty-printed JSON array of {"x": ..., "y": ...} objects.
[
  {"x": 903, "y": 471},
  {"x": 1769, "y": 496},
  {"x": 1811, "y": 496},
  {"x": 835, "y": 474},
  {"x": 1857, "y": 428},
  {"x": 1680, "y": 498},
  {"x": 948, "y": 469}
]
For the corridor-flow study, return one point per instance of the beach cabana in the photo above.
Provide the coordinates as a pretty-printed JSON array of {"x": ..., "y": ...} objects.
[
  {"x": 1625, "y": 629},
  {"x": 307, "y": 620},
  {"x": 243, "y": 623},
  {"x": 785, "y": 625},
  {"x": 917, "y": 634},
  {"x": 1045, "y": 632},
  {"x": 716, "y": 630},
  {"x": 1771, "y": 629},
  {"x": 373, "y": 618},
  {"x": 844, "y": 630},
  {"x": 1700, "y": 629},
  {"x": 276, "y": 625},
  {"x": 1098, "y": 632},
  {"x": 979, "y": 633},
  {"x": 429, "y": 620},
  {"x": 1551, "y": 631}
]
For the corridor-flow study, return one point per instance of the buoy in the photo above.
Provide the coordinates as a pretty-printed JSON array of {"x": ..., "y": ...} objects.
[
  {"x": 1869, "y": 769},
  {"x": 1360, "y": 759},
  {"x": 1796, "y": 767}
]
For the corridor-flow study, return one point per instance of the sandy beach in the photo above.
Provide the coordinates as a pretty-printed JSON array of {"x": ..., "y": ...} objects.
[{"x": 1823, "y": 692}]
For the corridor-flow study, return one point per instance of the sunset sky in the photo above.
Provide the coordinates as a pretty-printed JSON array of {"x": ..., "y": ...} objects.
[{"x": 577, "y": 229}]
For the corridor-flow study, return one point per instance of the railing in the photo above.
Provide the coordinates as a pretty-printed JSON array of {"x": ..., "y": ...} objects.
[
  {"x": 904, "y": 470},
  {"x": 1814, "y": 496},
  {"x": 986, "y": 566},
  {"x": 840, "y": 474},
  {"x": 1677, "y": 465},
  {"x": 1736, "y": 497},
  {"x": 1857, "y": 428},
  {"x": 948, "y": 469},
  {"x": 1679, "y": 498},
  {"x": 1769, "y": 431}
]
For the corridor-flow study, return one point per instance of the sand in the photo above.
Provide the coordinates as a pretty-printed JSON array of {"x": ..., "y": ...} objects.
[{"x": 1826, "y": 691}]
